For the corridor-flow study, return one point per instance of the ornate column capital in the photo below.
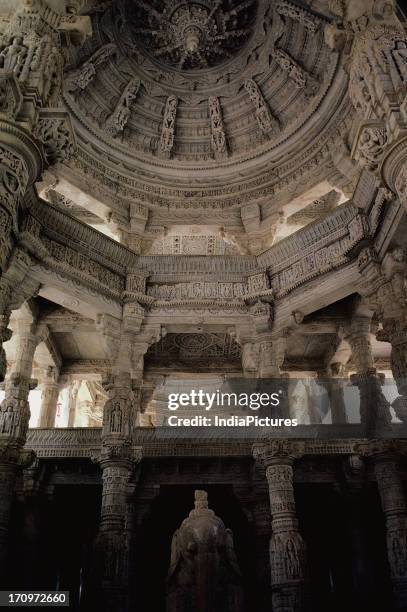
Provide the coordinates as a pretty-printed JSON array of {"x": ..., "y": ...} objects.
[{"x": 278, "y": 452}]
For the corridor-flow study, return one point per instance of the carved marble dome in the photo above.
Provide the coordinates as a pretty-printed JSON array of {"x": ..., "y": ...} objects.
[
  {"x": 174, "y": 89},
  {"x": 192, "y": 35}
]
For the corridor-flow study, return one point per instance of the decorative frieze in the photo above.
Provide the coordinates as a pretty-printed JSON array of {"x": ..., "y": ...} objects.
[
  {"x": 171, "y": 267},
  {"x": 310, "y": 21},
  {"x": 200, "y": 290},
  {"x": 57, "y": 224},
  {"x": 86, "y": 442},
  {"x": 315, "y": 250},
  {"x": 80, "y": 264}
]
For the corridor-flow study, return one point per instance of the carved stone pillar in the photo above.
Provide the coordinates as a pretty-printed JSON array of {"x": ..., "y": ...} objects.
[
  {"x": 29, "y": 499},
  {"x": 14, "y": 418},
  {"x": 262, "y": 526},
  {"x": 271, "y": 357},
  {"x": 117, "y": 460},
  {"x": 287, "y": 548},
  {"x": 126, "y": 341},
  {"x": 250, "y": 359},
  {"x": 333, "y": 382},
  {"x": 374, "y": 408},
  {"x": 5, "y": 332},
  {"x": 383, "y": 455},
  {"x": 398, "y": 341},
  {"x": 73, "y": 395},
  {"x": 395, "y": 332},
  {"x": 50, "y": 391},
  {"x": 385, "y": 290}
]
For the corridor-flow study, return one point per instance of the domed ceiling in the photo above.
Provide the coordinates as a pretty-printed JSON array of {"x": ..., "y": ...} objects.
[
  {"x": 192, "y": 35},
  {"x": 218, "y": 98}
]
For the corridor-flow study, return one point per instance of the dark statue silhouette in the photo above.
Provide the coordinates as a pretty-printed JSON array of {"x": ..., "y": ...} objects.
[{"x": 204, "y": 575}]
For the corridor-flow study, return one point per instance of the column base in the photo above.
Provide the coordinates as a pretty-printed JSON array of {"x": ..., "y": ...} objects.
[{"x": 289, "y": 597}]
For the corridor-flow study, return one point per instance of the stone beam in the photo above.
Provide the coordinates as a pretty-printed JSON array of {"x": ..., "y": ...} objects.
[
  {"x": 81, "y": 299},
  {"x": 85, "y": 369},
  {"x": 317, "y": 294},
  {"x": 73, "y": 192},
  {"x": 47, "y": 353}
]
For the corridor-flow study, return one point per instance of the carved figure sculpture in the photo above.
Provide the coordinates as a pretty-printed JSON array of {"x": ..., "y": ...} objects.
[
  {"x": 13, "y": 55},
  {"x": 80, "y": 79},
  {"x": 218, "y": 140},
  {"x": 204, "y": 575},
  {"x": 168, "y": 127},
  {"x": 120, "y": 116}
]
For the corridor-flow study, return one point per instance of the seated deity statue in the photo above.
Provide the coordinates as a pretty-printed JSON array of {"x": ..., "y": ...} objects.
[{"x": 204, "y": 575}]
